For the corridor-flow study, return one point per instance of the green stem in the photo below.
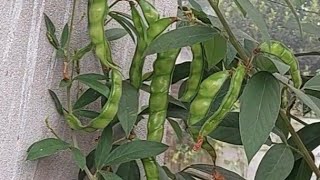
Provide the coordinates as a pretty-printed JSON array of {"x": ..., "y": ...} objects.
[
  {"x": 214, "y": 4},
  {"x": 300, "y": 144},
  {"x": 86, "y": 169}
]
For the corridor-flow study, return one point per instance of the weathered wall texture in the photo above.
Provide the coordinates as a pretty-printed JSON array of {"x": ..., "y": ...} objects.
[{"x": 28, "y": 68}]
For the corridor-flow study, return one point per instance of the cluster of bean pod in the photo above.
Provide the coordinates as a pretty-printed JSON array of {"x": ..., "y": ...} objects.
[
  {"x": 209, "y": 88},
  {"x": 148, "y": 29}
]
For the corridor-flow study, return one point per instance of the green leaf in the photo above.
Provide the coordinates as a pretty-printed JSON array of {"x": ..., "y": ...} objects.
[
  {"x": 91, "y": 81},
  {"x": 91, "y": 76},
  {"x": 176, "y": 102},
  {"x": 129, "y": 171},
  {"x": 295, "y": 15},
  {"x": 181, "y": 71},
  {"x": 109, "y": 175},
  {"x": 270, "y": 63},
  {"x": 256, "y": 17},
  {"x": 46, "y": 147},
  {"x": 89, "y": 96},
  {"x": 162, "y": 173},
  {"x": 178, "y": 38},
  {"x": 138, "y": 149},
  {"x": 56, "y": 101},
  {"x": 300, "y": 171},
  {"x": 65, "y": 83},
  {"x": 277, "y": 163},
  {"x": 125, "y": 23},
  {"x": 104, "y": 147},
  {"x": 231, "y": 54},
  {"x": 208, "y": 168},
  {"x": 301, "y": 95},
  {"x": 215, "y": 49},
  {"x": 90, "y": 164},
  {"x": 128, "y": 108},
  {"x": 86, "y": 113},
  {"x": 115, "y": 33},
  {"x": 310, "y": 137},
  {"x": 195, "y": 5},
  {"x": 228, "y": 130},
  {"x": 64, "y": 36},
  {"x": 78, "y": 157},
  {"x": 177, "y": 129},
  {"x": 168, "y": 172},
  {"x": 49, "y": 25},
  {"x": 260, "y": 105},
  {"x": 82, "y": 51},
  {"x": 313, "y": 83},
  {"x": 244, "y": 13}
]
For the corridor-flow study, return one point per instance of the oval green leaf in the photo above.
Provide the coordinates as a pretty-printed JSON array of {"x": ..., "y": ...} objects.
[
  {"x": 138, "y": 149},
  {"x": 104, "y": 147},
  {"x": 178, "y": 38},
  {"x": 128, "y": 108},
  {"x": 46, "y": 147},
  {"x": 215, "y": 49},
  {"x": 129, "y": 171},
  {"x": 260, "y": 105},
  {"x": 256, "y": 17},
  {"x": 115, "y": 33},
  {"x": 78, "y": 157},
  {"x": 313, "y": 83},
  {"x": 277, "y": 163}
]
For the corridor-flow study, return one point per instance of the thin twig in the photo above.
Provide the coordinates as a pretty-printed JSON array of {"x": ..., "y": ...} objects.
[
  {"x": 300, "y": 144},
  {"x": 297, "y": 119},
  {"x": 312, "y": 53},
  {"x": 50, "y": 128},
  {"x": 232, "y": 37}
]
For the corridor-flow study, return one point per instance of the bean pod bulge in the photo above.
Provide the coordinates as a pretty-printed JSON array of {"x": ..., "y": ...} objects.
[{"x": 281, "y": 51}]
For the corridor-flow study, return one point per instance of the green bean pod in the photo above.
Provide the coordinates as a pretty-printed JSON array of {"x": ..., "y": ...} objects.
[
  {"x": 195, "y": 75},
  {"x": 226, "y": 105},
  {"x": 108, "y": 112},
  {"x": 96, "y": 14},
  {"x": 208, "y": 90},
  {"x": 138, "y": 60},
  {"x": 137, "y": 63},
  {"x": 156, "y": 28},
  {"x": 137, "y": 20},
  {"x": 149, "y": 11},
  {"x": 97, "y": 10},
  {"x": 281, "y": 51},
  {"x": 160, "y": 84},
  {"x": 158, "y": 104}
]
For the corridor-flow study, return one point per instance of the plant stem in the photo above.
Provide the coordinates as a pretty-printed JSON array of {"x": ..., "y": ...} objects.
[
  {"x": 298, "y": 119},
  {"x": 86, "y": 169},
  {"x": 312, "y": 53},
  {"x": 232, "y": 37},
  {"x": 300, "y": 144},
  {"x": 51, "y": 129}
]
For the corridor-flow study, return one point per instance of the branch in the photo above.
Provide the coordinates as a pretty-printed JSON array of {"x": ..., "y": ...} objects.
[
  {"x": 232, "y": 37},
  {"x": 300, "y": 144},
  {"x": 312, "y": 53}
]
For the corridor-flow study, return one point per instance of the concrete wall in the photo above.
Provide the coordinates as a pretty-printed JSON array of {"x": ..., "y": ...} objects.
[{"x": 28, "y": 67}]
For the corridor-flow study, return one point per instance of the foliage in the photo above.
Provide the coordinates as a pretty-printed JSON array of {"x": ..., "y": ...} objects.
[{"x": 257, "y": 101}]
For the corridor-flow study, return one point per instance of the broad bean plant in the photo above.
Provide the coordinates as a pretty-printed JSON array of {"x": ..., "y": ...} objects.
[{"x": 235, "y": 89}]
